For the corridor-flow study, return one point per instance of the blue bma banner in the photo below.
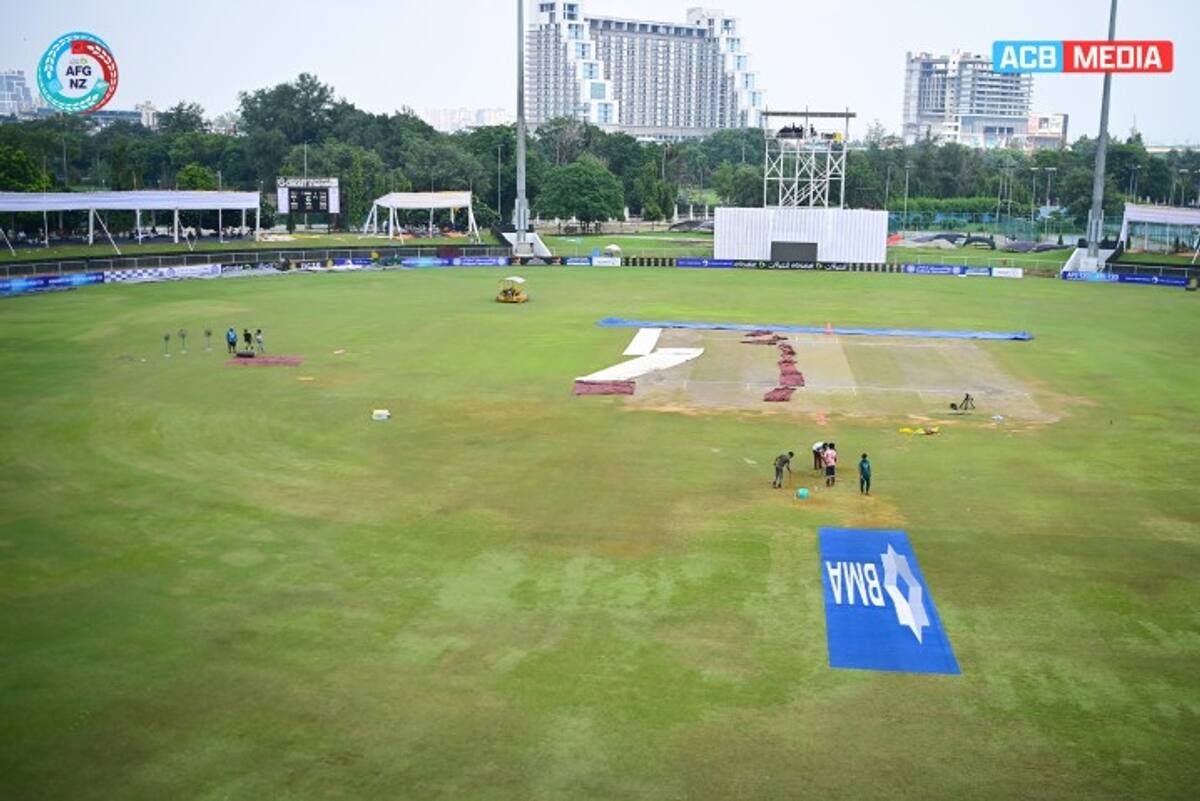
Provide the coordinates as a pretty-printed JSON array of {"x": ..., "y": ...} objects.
[
  {"x": 480, "y": 261},
  {"x": 44, "y": 283},
  {"x": 879, "y": 614},
  {"x": 934, "y": 269},
  {"x": 704, "y": 262},
  {"x": 1124, "y": 278},
  {"x": 1090, "y": 277},
  {"x": 1155, "y": 280},
  {"x": 425, "y": 261}
]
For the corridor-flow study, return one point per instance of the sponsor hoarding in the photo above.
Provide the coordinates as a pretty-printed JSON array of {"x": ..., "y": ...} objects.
[{"x": 46, "y": 283}]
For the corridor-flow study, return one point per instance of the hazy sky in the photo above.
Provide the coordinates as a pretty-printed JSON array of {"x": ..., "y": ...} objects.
[{"x": 386, "y": 54}]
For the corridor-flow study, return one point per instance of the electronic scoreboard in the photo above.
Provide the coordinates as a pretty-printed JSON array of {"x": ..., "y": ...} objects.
[{"x": 308, "y": 196}]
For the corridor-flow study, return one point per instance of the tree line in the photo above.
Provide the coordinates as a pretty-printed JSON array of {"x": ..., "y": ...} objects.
[{"x": 573, "y": 169}]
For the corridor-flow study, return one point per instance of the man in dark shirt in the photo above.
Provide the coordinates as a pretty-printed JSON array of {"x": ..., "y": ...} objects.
[
  {"x": 783, "y": 460},
  {"x": 864, "y": 476}
]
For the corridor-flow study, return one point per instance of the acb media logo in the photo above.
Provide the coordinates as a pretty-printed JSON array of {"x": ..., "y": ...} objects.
[
  {"x": 77, "y": 73},
  {"x": 1140, "y": 56}
]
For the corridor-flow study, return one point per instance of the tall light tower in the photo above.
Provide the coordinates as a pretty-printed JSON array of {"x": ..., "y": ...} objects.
[
  {"x": 1096, "y": 217},
  {"x": 522, "y": 246}
]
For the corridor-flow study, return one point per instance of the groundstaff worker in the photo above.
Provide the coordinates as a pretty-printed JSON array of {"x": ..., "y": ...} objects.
[
  {"x": 818, "y": 450},
  {"x": 783, "y": 460}
]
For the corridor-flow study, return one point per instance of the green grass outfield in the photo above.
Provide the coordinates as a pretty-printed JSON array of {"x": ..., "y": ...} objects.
[
  {"x": 659, "y": 243},
  {"x": 225, "y": 582}
]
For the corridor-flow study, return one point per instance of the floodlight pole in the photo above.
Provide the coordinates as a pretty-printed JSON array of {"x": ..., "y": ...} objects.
[
  {"x": 1033, "y": 193},
  {"x": 521, "y": 205},
  {"x": 1096, "y": 218},
  {"x": 907, "y": 167}
]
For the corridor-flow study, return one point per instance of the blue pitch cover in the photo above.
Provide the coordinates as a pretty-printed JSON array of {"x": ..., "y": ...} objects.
[
  {"x": 618, "y": 322},
  {"x": 879, "y": 613}
]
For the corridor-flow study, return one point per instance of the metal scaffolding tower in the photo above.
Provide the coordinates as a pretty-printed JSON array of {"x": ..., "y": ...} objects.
[{"x": 804, "y": 165}]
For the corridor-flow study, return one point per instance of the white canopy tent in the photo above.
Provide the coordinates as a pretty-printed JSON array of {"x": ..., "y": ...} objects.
[
  {"x": 1186, "y": 219},
  {"x": 394, "y": 201},
  {"x": 138, "y": 201}
]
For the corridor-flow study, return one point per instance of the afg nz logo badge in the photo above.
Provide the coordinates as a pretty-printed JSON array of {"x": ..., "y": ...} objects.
[
  {"x": 879, "y": 614},
  {"x": 77, "y": 73}
]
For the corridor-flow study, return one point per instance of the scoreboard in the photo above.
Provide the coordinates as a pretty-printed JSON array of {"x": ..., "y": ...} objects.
[
  {"x": 306, "y": 199},
  {"x": 308, "y": 196}
]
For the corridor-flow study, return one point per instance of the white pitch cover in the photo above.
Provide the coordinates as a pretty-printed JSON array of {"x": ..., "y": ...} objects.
[
  {"x": 660, "y": 359},
  {"x": 644, "y": 342}
]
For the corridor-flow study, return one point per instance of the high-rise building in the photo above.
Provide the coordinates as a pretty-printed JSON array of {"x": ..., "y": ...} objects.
[
  {"x": 1046, "y": 131},
  {"x": 653, "y": 80},
  {"x": 449, "y": 120},
  {"x": 149, "y": 114},
  {"x": 960, "y": 98},
  {"x": 494, "y": 116},
  {"x": 15, "y": 97}
]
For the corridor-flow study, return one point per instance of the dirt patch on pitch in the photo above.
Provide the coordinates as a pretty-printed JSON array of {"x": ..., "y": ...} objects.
[{"x": 880, "y": 377}]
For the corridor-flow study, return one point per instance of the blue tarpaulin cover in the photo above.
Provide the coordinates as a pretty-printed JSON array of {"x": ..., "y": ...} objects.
[
  {"x": 879, "y": 614},
  {"x": 618, "y": 322}
]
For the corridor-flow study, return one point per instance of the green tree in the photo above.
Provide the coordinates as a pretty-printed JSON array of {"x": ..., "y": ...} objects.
[
  {"x": 361, "y": 175},
  {"x": 265, "y": 152},
  {"x": 195, "y": 147},
  {"x": 302, "y": 110},
  {"x": 625, "y": 157},
  {"x": 739, "y": 185},
  {"x": 734, "y": 146},
  {"x": 563, "y": 139},
  {"x": 654, "y": 196},
  {"x": 19, "y": 173},
  {"x": 584, "y": 189},
  {"x": 441, "y": 164},
  {"x": 181, "y": 118},
  {"x": 196, "y": 176}
]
